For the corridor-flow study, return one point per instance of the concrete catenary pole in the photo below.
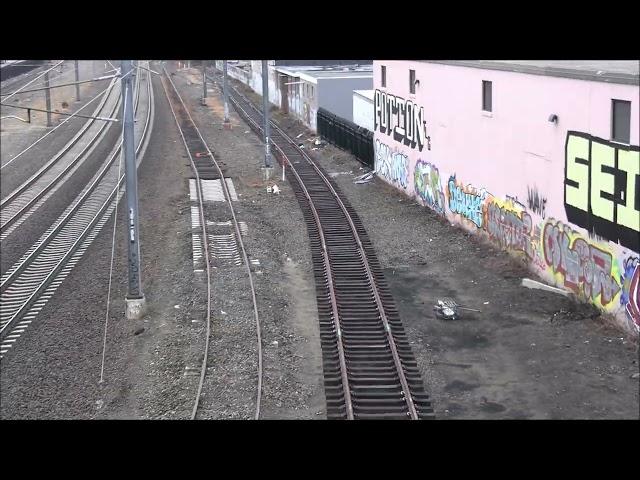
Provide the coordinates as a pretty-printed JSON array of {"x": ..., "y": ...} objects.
[
  {"x": 225, "y": 92},
  {"x": 265, "y": 111},
  {"x": 77, "y": 80},
  {"x": 135, "y": 300},
  {"x": 47, "y": 97}
]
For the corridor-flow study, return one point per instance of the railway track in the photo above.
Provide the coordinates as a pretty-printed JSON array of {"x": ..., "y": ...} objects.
[
  {"x": 32, "y": 281},
  {"x": 206, "y": 167},
  {"x": 369, "y": 368},
  {"x": 20, "y": 204}
]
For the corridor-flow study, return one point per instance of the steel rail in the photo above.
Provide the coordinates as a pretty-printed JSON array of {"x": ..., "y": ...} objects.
[
  {"x": 205, "y": 240},
  {"x": 29, "y": 259},
  {"x": 371, "y": 278}
]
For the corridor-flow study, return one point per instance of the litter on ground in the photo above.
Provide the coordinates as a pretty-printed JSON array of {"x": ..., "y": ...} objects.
[
  {"x": 527, "y": 282},
  {"x": 366, "y": 178}
]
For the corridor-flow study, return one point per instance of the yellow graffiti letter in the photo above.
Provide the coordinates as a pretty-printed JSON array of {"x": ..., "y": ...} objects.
[
  {"x": 627, "y": 214},
  {"x": 600, "y": 181},
  {"x": 578, "y": 147}
]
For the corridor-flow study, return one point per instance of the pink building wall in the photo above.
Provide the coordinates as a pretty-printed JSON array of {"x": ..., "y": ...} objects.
[{"x": 502, "y": 174}]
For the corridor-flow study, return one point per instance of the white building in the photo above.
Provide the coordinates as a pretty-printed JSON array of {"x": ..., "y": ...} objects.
[{"x": 363, "y": 108}]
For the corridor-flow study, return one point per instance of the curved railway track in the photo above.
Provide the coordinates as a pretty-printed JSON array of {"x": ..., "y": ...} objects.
[
  {"x": 370, "y": 371},
  {"x": 205, "y": 166},
  {"x": 28, "y": 285},
  {"x": 16, "y": 207}
]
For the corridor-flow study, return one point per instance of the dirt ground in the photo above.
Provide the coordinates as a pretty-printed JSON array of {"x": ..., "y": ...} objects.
[{"x": 528, "y": 354}]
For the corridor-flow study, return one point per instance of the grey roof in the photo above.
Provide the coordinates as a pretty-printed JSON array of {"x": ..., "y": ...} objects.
[
  {"x": 297, "y": 63},
  {"x": 326, "y": 71},
  {"x": 612, "y": 71},
  {"x": 338, "y": 73}
]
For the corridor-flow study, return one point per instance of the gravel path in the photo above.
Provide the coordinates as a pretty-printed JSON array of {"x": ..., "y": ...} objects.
[
  {"x": 285, "y": 289},
  {"x": 150, "y": 363}
]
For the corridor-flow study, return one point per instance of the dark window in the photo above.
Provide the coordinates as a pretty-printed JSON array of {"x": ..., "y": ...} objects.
[
  {"x": 621, "y": 121},
  {"x": 383, "y": 80},
  {"x": 412, "y": 81},
  {"x": 486, "y": 96}
]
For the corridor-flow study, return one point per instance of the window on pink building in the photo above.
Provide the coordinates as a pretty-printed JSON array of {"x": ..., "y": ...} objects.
[
  {"x": 412, "y": 81},
  {"x": 621, "y": 121},
  {"x": 487, "y": 95},
  {"x": 383, "y": 76}
]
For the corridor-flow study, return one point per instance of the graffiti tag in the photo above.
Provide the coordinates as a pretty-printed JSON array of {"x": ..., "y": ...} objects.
[
  {"x": 630, "y": 297},
  {"x": 426, "y": 182},
  {"x": 509, "y": 225},
  {"x": 536, "y": 202},
  {"x": 466, "y": 201},
  {"x": 587, "y": 269},
  {"x": 394, "y": 166}
]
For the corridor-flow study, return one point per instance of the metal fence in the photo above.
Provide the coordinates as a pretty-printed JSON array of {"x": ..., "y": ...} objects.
[{"x": 346, "y": 135}]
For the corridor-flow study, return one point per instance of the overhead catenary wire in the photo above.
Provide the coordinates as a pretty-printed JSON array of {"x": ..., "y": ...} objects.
[
  {"x": 97, "y": 79},
  {"x": 27, "y": 75},
  {"x": 54, "y": 76},
  {"x": 104, "y": 119},
  {"x": 29, "y": 83},
  {"x": 58, "y": 126}
]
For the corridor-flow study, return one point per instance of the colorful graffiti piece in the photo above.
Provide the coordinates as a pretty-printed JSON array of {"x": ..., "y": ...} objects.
[
  {"x": 630, "y": 297},
  {"x": 466, "y": 200},
  {"x": 392, "y": 165},
  {"x": 510, "y": 226},
  {"x": 587, "y": 269},
  {"x": 426, "y": 182},
  {"x": 602, "y": 188}
]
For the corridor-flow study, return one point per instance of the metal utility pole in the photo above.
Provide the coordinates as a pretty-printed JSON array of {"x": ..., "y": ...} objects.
[
  {"x": 204, "y": 81},
  {"x": 77, "y": 80},
  {"x": 134, "y": 300},
  {"x": 47, "y": 96},
  {"x": 265, "y": 112},
  {"x": 226, "y": 95}
]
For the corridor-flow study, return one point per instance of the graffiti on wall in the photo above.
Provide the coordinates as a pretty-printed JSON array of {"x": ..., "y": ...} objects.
[
  {"x": 586, "y": 268},
  {"x": 392, "y": 165},
  {"x": 510, "y": 226},
  {"x": 536, "y": 202},
  {"x": 602, "y": 188},
  {"x": 630, "y": 297},
  {"x": 466, "y": 201},
  {"x": 426, "y": 182},
  {"x": 401, "y": 117}
]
